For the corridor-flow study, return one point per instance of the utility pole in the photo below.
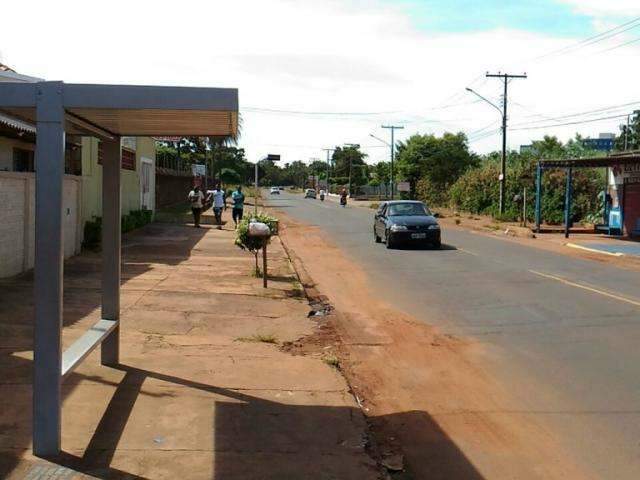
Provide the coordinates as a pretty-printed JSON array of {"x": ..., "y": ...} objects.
[
  {"x": 393, "y": 128},
  {"x": 503, "y": 164},
  {"x": 328, "y": 150}
]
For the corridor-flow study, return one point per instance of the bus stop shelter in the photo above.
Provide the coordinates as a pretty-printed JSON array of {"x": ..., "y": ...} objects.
[
  {"x": 108, "y": 112},
  {"x": 619, "y": 162}
]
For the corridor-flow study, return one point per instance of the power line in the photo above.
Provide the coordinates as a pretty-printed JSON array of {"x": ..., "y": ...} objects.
[
  {"x": 571, "y": 123},
  {"x": 611, "y": 108},
  {"x": 594, "y": 39},
  {"x": 620, "y": 46}
]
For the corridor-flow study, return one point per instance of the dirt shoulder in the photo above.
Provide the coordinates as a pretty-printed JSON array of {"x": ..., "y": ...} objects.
[{"x": 426, "y": 395}]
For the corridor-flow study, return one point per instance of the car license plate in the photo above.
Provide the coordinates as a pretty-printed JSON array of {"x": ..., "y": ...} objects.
[{"x": 418, "y": 235}]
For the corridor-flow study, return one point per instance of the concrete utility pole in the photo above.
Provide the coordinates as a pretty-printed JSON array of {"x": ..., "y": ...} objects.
[
  {"x": 503, "y": 164},
  {"x": 393, "y": 128},
  {"x": 328, "y": 150}
]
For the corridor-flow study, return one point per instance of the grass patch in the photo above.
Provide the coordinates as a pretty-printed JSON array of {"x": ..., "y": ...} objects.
[
  {"x": 374, "y": 205},
  {"x": 492, "y": 227},
  {"x": 259, "y": 338},
  {"x": 331, "y": 360}
]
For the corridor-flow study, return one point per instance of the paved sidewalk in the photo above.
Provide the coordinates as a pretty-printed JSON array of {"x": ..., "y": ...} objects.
[{"x": 200, "y": 393}]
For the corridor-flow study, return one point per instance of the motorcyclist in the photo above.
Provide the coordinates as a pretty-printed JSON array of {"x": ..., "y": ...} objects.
[
  {"x": 343, "y": 197},
  {"x": 322, "y": 193}
]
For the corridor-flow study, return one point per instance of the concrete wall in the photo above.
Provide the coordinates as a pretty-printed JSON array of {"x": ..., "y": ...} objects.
[
  {"x": 92, "y": 178},
  {"x": 17, "y": 220}
]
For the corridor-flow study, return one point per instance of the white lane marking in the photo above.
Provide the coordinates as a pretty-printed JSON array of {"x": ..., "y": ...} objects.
[
  {"x": 602, "y": 252},
  {"x": 588, "y": 288}
]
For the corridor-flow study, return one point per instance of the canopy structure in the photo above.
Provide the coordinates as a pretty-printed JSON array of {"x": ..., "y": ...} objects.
[
  {"x": 614, "y": 161},
  {"x": 107, "y": 112}
]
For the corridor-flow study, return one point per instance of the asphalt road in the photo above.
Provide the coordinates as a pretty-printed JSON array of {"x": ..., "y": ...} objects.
[{"x": 561, "y": 332}]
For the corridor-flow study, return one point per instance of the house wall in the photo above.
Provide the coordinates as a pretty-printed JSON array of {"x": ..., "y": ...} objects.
[
  {"x": 130, "y": 179},
  {"x": 17, "y": 220}
]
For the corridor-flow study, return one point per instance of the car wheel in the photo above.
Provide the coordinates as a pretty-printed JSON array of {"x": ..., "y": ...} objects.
[
  {"x": 437, "y": 244},
  {"x": 389, "y": 242}
]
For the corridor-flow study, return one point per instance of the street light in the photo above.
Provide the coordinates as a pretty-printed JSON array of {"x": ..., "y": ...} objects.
[
  {"x": 271, "y": 158},
  {"x": 503, "y": 163}
]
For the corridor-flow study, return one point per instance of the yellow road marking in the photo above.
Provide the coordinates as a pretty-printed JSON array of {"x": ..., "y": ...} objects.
[{"x": 585, "y": 287}]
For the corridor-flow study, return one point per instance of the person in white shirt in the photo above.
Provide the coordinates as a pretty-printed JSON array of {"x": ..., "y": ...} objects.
[
  {"x": 196, "y": 197},
  {"x": 219, "y": 203}
]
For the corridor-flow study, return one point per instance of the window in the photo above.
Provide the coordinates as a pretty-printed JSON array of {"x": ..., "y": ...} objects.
[
  {"x": 128, "y": 157},
  {"x": 408, "y": 209},
  {"x": 23, "y": 160}
]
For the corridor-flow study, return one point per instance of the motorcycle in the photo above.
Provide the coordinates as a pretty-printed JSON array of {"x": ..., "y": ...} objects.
[{"x": 322, "y": 197}]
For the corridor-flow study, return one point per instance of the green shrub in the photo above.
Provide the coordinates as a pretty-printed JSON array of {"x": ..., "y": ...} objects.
[
  {"x": 92, "y": 233},
  {"x": 477, "y": 191},
  {"x": 253, "y": 244}
]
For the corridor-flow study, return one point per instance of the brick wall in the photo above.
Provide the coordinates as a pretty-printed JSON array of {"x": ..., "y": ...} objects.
[{"x": 17, "y": 220}]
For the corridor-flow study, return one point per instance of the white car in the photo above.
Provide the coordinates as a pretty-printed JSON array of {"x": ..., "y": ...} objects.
[
  {"x": 309, "y": 193},
  {"x": 275, "y": 191}
]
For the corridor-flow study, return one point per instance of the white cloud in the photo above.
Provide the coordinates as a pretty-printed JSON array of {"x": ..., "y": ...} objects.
[{"x": 346, "y": 56}]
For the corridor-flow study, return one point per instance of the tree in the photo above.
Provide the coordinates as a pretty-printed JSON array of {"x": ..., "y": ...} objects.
[
  {"x": 633, "y": 134},
  {"x": 350, "y": 160},
  {"x": 438, "y": 160}
]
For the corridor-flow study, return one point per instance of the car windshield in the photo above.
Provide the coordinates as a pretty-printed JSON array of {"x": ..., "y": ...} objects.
[{"x": 407, "y": 209}]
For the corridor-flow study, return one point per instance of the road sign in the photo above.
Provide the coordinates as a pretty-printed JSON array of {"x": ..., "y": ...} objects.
[
  {"x": 404, "y": 187},
  {"x": 273, "y": 157}
]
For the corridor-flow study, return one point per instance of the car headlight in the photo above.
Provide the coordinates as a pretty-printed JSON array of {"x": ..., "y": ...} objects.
[
  {"x": 435, "y": 226},
  {"x": 399, "y": 228}
]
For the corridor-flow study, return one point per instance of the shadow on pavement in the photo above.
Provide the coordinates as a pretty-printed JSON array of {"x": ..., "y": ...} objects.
[
  {"x": 443, "y": 247},
  {"x": 429, "y": 452},
  {"x": 82, "y": 298}
]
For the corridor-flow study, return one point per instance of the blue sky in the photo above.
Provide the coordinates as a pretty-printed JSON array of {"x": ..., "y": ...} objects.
[{"x": 457, "y": 16}]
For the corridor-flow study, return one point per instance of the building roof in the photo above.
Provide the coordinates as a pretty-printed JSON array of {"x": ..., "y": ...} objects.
[
  {"x": 16, "y": 124},
  {"x": 130, "y": 110}
]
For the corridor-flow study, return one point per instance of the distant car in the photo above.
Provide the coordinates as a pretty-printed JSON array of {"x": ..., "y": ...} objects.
[
  {"x": 275, "y": 191},
  {"x": 309, "y": 193},
  {"x": 402, "y": 222}
]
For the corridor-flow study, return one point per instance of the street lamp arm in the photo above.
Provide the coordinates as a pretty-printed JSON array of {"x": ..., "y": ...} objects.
[
  {"x": 379, "y": 139},
  {"x": 488, "y": 101}
]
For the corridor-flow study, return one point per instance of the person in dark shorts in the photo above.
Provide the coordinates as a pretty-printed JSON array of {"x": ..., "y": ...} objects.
[
  {"x": 196, "y": 197},
  {"x": 238, "y": 205}
]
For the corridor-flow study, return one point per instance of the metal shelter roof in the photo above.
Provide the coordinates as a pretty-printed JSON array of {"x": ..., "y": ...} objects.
[
  {"x": 132, "y": 110},
  {"x": 594, "y": 162},
  {"x": 108, "y": 112}
]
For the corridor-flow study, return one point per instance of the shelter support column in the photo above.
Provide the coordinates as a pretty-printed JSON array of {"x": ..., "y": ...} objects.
[
  {"x": 567, "y": 203},
  {"x": 111, "y": 247},
  {"x": 538, "y": 196},
  {"x": 48, "y": 289}
]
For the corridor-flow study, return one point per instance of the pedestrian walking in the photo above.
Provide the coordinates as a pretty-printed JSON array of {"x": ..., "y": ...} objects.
[
  {"x": 238, "y": 205},
  {"x": 219, "y": 203},
  {"x": 196, "y": 197}
]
